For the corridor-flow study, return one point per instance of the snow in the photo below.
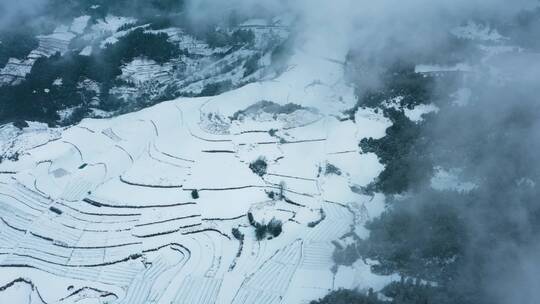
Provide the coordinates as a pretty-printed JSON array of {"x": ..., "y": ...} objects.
[
  {"x": 142, "y": 70},
  {"x": 14, "y": 140},
  {"x": 110, "y": 24},
  {"x": 79, "y": 24},
  {"x": 113, "y": 27},
  {"x": 428, "y": 68},
  {"x": 359, "y": 276},
  {"x": 141, "y": 206},
  {"x": 50, "y": 44},
  {"x": 475, "y": 31},
  {"x": 417, "y": 112},
  {"x": 15, "y": 69},
  {"x": 87, "y": 51},
  {"x": 58, "y": 82},
  {"x": 371, "y": 124}
]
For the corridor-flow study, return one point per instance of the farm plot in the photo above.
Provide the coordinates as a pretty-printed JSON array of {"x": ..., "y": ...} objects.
[{"x": 269, "y": 283}]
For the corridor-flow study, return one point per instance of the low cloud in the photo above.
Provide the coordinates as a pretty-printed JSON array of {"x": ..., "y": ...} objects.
[{"x": 12, "y": 12}]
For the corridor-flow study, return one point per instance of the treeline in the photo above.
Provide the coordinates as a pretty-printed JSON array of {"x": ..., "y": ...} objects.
[
  {"x": 16, "y": 43},
  {"x": 406, "y": 291},
  {"x": 402, "y": 149}
]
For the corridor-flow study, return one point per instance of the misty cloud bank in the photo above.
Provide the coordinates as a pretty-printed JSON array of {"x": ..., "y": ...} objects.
[
  {"x": 495, "y": 139},
  {"x": 479, "y": 246},
  {"x": 11, "y": 11}
]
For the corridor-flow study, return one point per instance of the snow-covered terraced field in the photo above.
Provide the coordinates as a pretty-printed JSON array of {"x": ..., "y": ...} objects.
[
  {"x": 140, "y": 208},
  {"x": 16, "y": 69}
]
